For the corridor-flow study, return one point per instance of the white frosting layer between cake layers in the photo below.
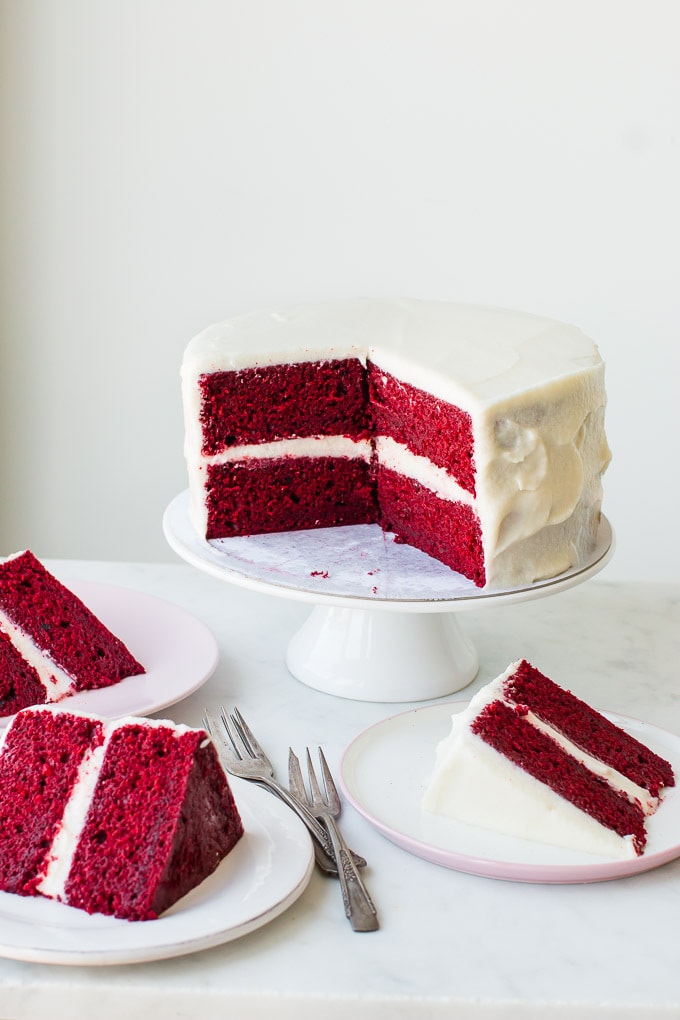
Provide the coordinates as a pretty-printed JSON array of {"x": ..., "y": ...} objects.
[
  {"x": 310, "y": 446},
  {"x": 473, "y": 783},
  {"x": 54, "y": 878},
  {"x": 399, "y": 458},
  {"x": 534, "y": 390}
]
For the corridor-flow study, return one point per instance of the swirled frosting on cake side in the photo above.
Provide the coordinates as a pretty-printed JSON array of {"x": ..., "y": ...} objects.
[{"x": 541, "y": 458}]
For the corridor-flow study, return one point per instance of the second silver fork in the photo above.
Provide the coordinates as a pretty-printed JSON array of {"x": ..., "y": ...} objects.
[{"x": 359, "y": 906}]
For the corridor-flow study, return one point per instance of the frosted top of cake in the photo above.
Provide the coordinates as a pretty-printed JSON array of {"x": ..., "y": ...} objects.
[{"x": 484, "y": 353}]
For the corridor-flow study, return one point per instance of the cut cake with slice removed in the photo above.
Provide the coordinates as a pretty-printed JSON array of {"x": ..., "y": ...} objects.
[
  {"x": 51, "y": 644},
  {"x": 120, "y": 818},
  {"x": 530, "y": 759},
  {"x": 475, "y": 435}
]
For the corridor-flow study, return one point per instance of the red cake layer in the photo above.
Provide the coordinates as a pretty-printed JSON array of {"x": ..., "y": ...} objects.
[
  {"x": 258, "y": 405},
  {"x": 448, "y": 531},
  {"x": 429, "y": 427},
  {"x": 161, "y": 820},
  {"x": 62, "y": 626},
  {"x": 38, "y": 766},
  {"x": 507, "y": 730},
  {"x": 19, "y": 683},
  {"x": 288, "y": 494},
  {"x": 589, "y": 730}
]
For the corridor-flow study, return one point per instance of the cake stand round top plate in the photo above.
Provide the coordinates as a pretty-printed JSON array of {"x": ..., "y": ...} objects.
[
  {"x": 348, "y": 566},
  {"x": 372, "y": 635}
]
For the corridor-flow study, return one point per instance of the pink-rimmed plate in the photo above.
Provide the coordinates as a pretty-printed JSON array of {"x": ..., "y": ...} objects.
[
  {"x": 383, "y": 774},
  {"x": 178, "y": 652}
]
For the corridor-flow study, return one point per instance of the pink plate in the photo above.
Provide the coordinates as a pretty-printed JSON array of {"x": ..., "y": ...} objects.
[
  {"x": 383, "y": 775},
  {"x": 178, "y": 652}
]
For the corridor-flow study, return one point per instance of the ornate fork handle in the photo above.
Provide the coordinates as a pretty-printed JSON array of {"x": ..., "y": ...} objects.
[{"x": 359, "y": 906}]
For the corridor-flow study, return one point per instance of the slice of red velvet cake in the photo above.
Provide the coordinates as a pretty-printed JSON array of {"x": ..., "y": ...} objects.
[
  {"x": 51, "y": 644},
  {"x": 119, "y": 818},
  {"x": 530, "y": 759}
]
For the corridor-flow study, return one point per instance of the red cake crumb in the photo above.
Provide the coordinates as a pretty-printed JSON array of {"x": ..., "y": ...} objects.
[
  {"x": 448, "y": 531},
  {"x": 286, "y": 494},
  {"x": 257, "y": 405}
]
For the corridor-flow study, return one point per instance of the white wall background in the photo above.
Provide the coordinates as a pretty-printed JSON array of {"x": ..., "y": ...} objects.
[{"x": 167, "y": 163}]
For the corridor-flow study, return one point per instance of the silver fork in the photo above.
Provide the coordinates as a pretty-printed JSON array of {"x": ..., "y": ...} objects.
[
  {"x": 244, "y": 757},
  {"x": 359, "y": 906}
]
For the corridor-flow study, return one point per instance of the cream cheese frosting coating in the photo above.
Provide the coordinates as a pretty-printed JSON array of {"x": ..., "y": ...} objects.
[{"x": 533, "y": 388}]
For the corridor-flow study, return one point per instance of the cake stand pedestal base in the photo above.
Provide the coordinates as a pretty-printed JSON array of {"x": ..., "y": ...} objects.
[{"x": 370, "y": 655}]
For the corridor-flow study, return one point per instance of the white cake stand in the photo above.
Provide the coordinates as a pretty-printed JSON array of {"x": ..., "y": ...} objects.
[{"x": 384, "y": 626}]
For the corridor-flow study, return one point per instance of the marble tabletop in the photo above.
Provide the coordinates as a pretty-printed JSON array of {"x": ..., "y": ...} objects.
[{"x": 450, "y": 944}]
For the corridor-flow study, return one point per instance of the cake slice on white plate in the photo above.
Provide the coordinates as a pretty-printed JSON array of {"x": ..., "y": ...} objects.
[
  {"x": 51, "y": 644},
  {"x": 118, "y": 817}
]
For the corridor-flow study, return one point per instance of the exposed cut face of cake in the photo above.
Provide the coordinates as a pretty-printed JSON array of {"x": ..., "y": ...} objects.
[
  {"x": 476, "y": 435},
  {"x": 51, "y": 644},
  {"x": 120, "y": 818},
  {"x": 529, "y": 759}
]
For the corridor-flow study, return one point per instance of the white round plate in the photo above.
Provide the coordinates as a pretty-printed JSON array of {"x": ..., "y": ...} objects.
[
  {"x": 383, "y": 774},
  {"x": 263, "y": 875},
  {"x": 343, "y": 565},
  {"x": 178, "y": 652}
]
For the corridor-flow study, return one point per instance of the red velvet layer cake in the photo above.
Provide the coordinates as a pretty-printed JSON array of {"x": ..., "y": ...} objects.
[
  {"x": 529, "y": 758},
  {"x": 119, "y": 818},
  {"x": 51, "y": 644},
  {"x": 492, "y": 421}
]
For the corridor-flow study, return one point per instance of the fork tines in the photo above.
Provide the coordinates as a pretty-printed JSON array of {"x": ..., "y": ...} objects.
[
  {"x": 241, "y": 736},
  {"x": 232, "y": 733},
  {"x": 328, "y": 781},
  {"x": 246, "y": 734}
]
